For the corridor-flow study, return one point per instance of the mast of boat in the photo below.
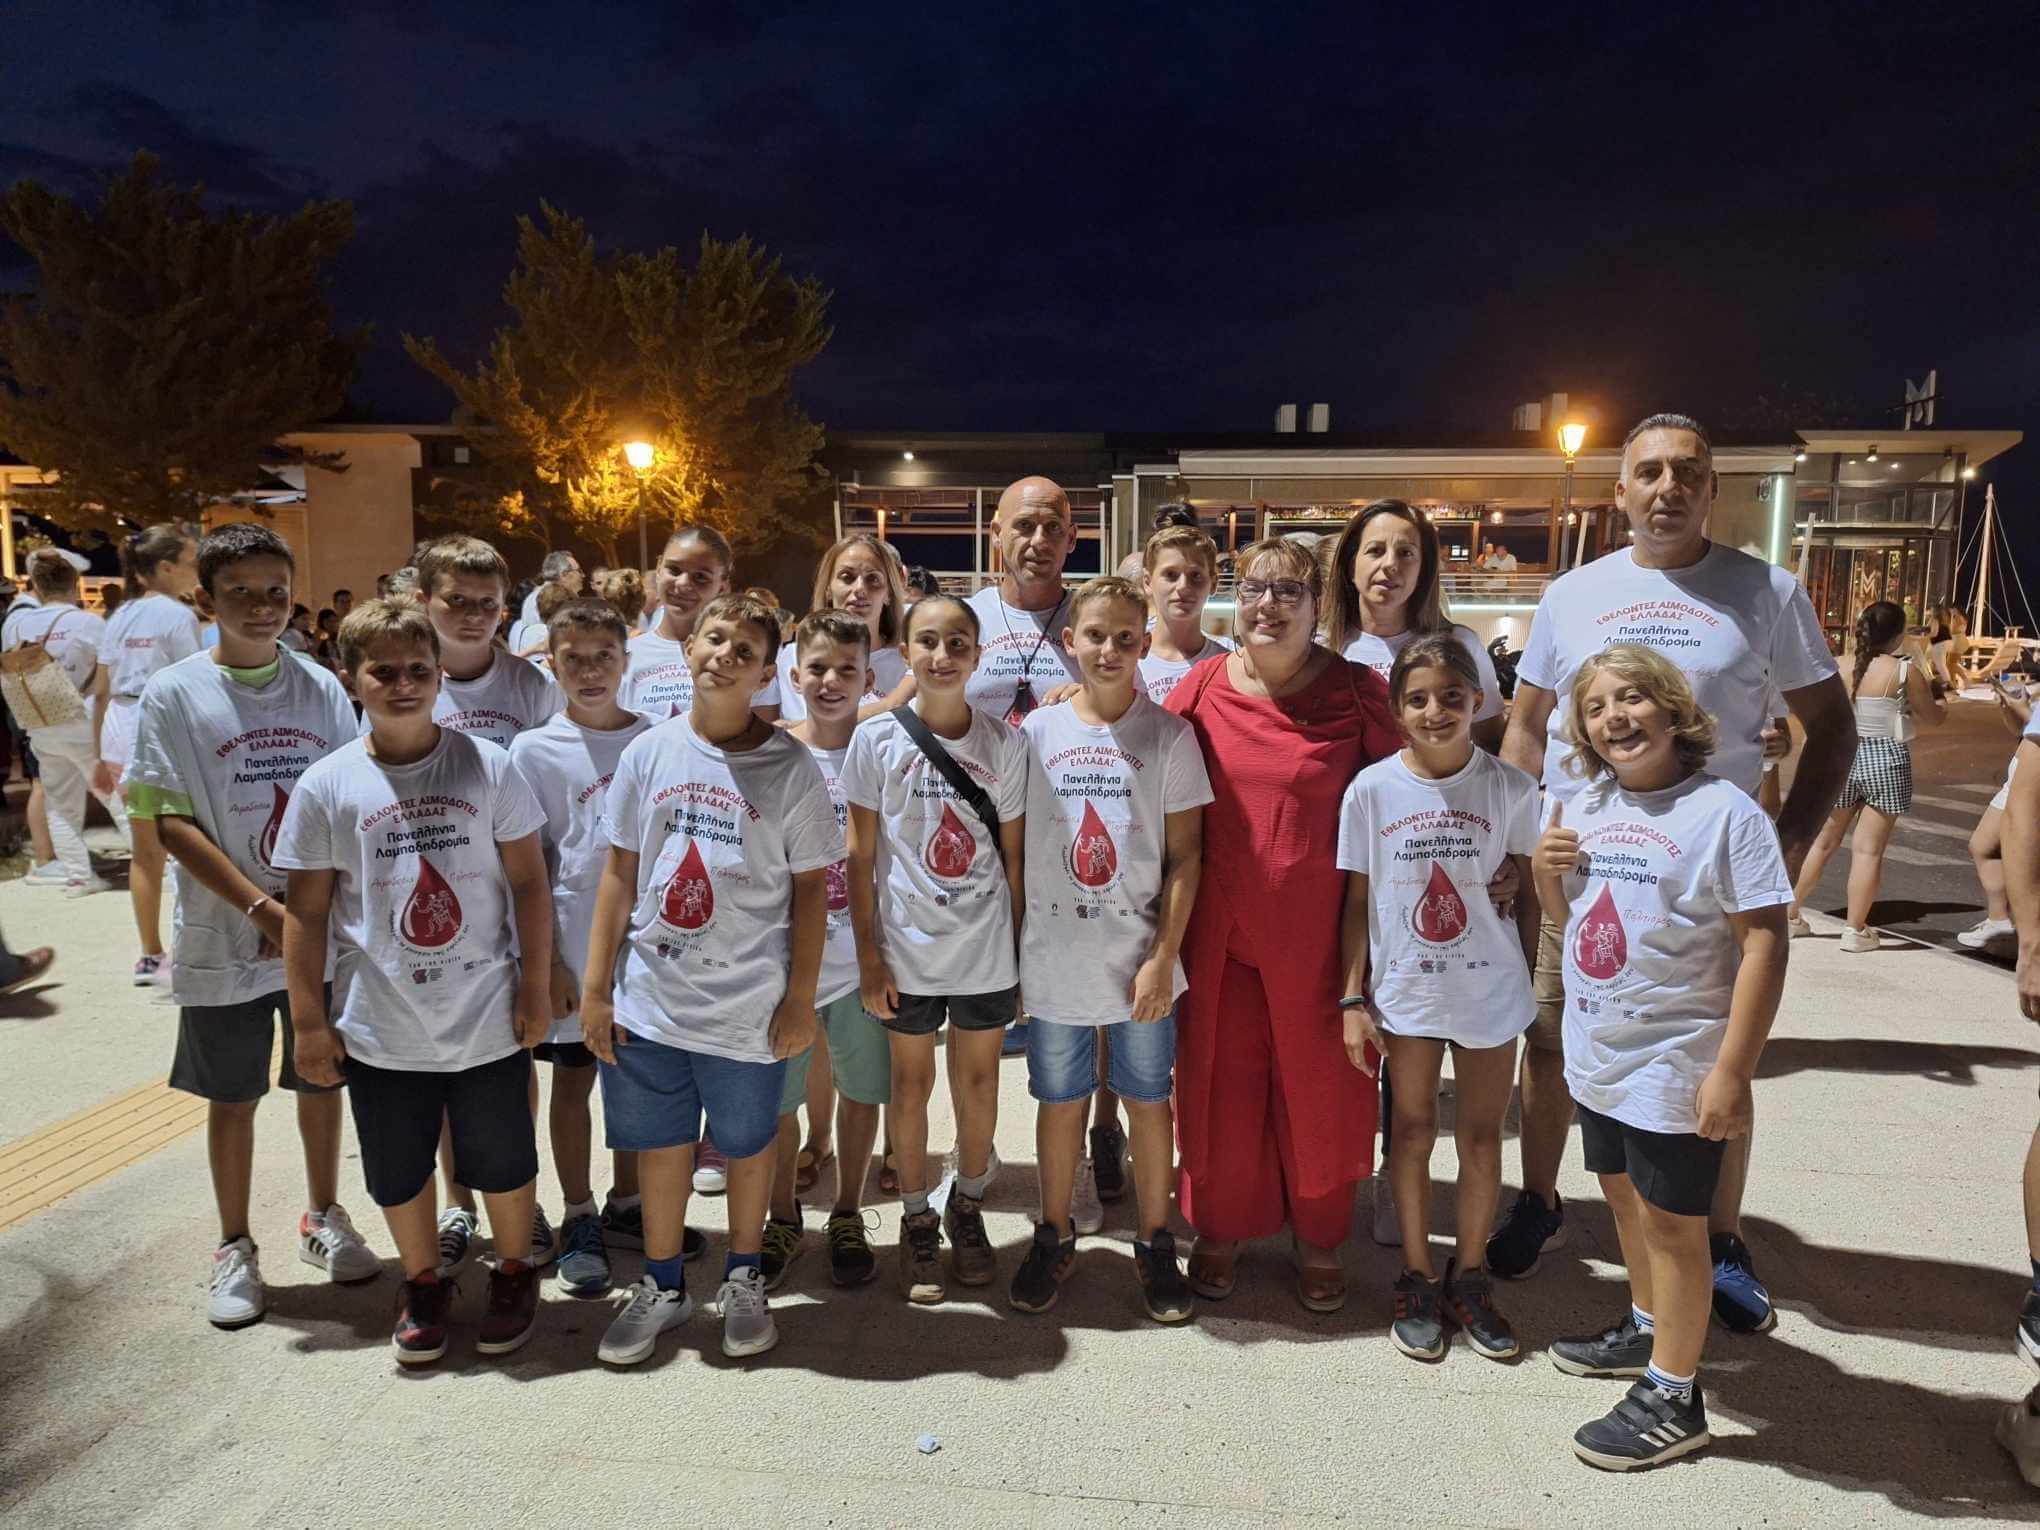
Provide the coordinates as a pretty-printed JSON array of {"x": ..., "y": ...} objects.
[{"x": 1983, "y": 561}]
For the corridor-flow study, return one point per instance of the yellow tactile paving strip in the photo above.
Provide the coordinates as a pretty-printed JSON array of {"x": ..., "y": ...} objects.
[{"x": 42, "y": 1168}]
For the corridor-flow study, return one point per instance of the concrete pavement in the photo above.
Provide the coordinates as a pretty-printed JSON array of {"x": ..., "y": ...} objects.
[{"x": 1894, "y": 1110}]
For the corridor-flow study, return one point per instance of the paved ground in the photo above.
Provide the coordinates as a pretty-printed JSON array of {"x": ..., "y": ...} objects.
[{"x": 1894, "y": 1110}]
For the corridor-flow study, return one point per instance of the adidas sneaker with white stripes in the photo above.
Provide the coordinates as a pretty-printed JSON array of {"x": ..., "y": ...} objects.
[{"x": 1646, "y": 1428}]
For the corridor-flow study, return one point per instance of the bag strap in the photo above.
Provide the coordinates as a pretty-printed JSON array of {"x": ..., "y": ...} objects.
[{"x": 959, "y": 780}]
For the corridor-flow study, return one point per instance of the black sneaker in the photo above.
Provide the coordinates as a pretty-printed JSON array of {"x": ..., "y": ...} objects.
[
  {"x": 693, "y": 1244},
  {"x": 2029, "y": 1329},
  {"x": 420, "y": 1335},
  {"x": 512, "y": 1312},
  {"x": 971, "y": 1259},
  {"x": 624, "y": 1227},
  {"x": 1623, "y": 1350},
  {"x": 1419, "y": 1326},
  {"x": 1646, "y": 1428},
  {"x": 1529, "y": 1232},
  {"x": 1470, "y": 1302},
  {"x": 782, "y": 1245},
  {"x": 851, "y": 1259},
  {"x": 1740, "y": 1301},
  {"x": 1163, "y": 1290},
  {"x": 1108, "y": 1160},
  {"x": 1039, "y": 1279}
]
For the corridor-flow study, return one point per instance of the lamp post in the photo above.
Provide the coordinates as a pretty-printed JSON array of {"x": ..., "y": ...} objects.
[
  {"x": 640, "y": 456},
  {"x": 1572, "y": 435}
]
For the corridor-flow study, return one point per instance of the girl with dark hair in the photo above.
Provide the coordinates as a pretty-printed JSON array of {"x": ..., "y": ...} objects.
[{"x": 1891, "y": 693}]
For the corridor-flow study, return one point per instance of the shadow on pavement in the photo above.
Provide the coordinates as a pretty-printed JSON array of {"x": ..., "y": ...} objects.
[{"x": 1942, "y": 1062}]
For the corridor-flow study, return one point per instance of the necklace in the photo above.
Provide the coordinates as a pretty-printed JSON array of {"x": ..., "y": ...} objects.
[{"x": 1023, "y": 693}]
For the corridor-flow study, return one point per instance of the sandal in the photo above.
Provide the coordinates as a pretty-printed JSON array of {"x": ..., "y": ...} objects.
[
  {"x": 808, "y": 1167},
  {"x": 32, "y": 965},
  {"x": 888, "y": 1176},
  {"x": 1211, "y": 1271},
  {"x": 1321, "y": 1288}
]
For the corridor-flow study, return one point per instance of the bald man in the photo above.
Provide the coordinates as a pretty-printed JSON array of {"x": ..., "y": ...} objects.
[{"x": 1021, "y": 618}]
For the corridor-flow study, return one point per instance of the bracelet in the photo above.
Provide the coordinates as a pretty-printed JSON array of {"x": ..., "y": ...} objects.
[
  {"x": 1354, "y": 1001},
  {"x": 249, "y": 911}
]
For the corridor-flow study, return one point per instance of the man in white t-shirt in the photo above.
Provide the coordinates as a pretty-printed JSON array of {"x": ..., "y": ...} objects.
[
  {"x": 1737, "y": 627},
  {"x": 561, "y": 568}
]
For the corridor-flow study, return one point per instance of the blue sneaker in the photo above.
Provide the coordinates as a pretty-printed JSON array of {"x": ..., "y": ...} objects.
[
  {"x": 1015, "y": 1044},
  {"x": 584, "y": 1261},
  {"x": 1740, "y": 1300}
]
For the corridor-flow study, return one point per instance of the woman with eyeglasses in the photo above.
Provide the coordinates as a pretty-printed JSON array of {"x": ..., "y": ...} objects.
[{"x": 1274, "y": 1121}]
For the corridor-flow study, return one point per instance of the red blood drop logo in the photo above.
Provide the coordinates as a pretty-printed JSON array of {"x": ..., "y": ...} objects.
[
  {"x": 1440, "y": 914},
  {"x": 431, "y": 914},
  {"x": 951, "y": 848},
  {"x": 265, "y": 847},
  {"x": 1093, "y": 857},
  {"x": 1601, "y": 950},
  {"x": 690, "y": 897},
  {"x": 837, "y": 880}
]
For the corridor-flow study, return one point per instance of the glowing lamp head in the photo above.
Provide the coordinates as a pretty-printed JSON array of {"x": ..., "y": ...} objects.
[
  {"x": 639, "y": 454},
  {"x": 1572, "y": 435}
]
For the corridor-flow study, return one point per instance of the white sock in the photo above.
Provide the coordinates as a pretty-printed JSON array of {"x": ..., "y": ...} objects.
[
  {"x": 1645, "y": 1323},
  {"x": 577, "y": 1209}
]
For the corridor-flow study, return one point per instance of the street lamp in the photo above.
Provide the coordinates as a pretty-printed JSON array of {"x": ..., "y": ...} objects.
[
  {"x": 640, "y": 456},
  {"x": 1572, "y": 435}
]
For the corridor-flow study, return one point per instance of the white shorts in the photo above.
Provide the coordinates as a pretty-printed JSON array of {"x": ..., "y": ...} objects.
[
  {"x": 117, "y": 734},
  {"x": 2004, "y": 793}
]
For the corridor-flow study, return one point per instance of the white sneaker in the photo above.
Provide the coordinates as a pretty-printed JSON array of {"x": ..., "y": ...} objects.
[
  {"x": 48, "y": 874},
  {"x": 86, "y": 887},
  {"x": 1087, "y": 1212},
  {"x": 1798, "y": 926},
  {"x": 1861, "y": 940},
  {"x": 711, "y": 1171},
  {"x": 2018, "y": 1430},
  {"x": 235, "y": 1299},
  {"x": 1976, "y": 937},
  {"x": 747, "y": 1327},
  {"x": 1387, "y": 1224},
  {"x": 456, "y": 1231},
  {"x": 636, "y": 1329},
  {"x": 327, "y": 1240},
  {"x": 152, "y": 972}
]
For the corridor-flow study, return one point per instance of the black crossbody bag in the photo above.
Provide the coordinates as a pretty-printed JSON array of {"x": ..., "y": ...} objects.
[{"x": 958, "y": 778}]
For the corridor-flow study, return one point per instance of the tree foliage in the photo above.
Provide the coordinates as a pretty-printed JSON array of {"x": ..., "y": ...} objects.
[
  {"x": 165, "y": 349},
  {"x": 697, "y": 360}
]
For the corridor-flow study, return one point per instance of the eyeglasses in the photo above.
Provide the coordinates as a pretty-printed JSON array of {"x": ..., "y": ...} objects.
[{"x": 1284, "y": 592}]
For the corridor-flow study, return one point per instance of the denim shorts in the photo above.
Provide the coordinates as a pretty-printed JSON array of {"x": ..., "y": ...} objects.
[
  {"x": 654, "y": 1096},
  {"x": 1062, "y": 1060}
]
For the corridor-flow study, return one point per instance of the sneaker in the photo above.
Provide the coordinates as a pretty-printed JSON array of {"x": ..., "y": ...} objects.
[
  {"x": 1419, "y": 1326},
  {"x": 711, "y": 1170},
  {"x": 545, "y": 1243},
  {"x": 2018, "y": 1430},
  {"x": 1527, "y": 1234},
  {"x": 234, "y": 1297},
  {"x": 1977, "y": 937},
  {"x": 624, "y": 1226},
  {"x": 1623, "y": 1350},
  {"x": 783, "y": 1243},
  {"x": 1470, "y": 1302},
  {"x": 1164, "y": 1290},
  {"x": 920, "y": 1257},
  {"x": 2028, "y": 1331},
  {"x": 456, "y": 1236},
  {"x": 747, "y": 1326},
  {"x": 851, "y": 1259},
  {"x": 151, "y": 971},
  {"x": 1646, "y": 1428},
  {"x": 1387, "y": 1221},
  {"x": 635, "y": 1330},
  {"x": 1866, "y": 939},
  {"x": 512, "y": 1312},
  {"x": 85, "y": 887},
  {"x": 971, "y": 1259},
  {"x": 1087, "y": 1213},
  {"x": 1740, "y": 1300},
  {"x": 1798, "y": 926},
  {"x": 420, "y": 1335},
  {"x": 1038, "y": 1281},
  {"x": 1108, "y": 1161},
  {"x": 583, "y": 1269},
  {"x": 48, "y": 874},
  {"x": 328, "y": 1240}
]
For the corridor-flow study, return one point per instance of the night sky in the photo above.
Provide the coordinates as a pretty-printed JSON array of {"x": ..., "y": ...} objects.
[{"x": 1094, "y": 217}]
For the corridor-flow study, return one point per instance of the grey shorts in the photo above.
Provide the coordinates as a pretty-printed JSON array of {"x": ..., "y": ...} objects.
[{"x": 223, "y": 1050}]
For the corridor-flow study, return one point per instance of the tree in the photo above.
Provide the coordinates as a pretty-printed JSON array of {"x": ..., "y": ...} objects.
[
  {"x": 166, "y": 350},
  {"x": 697, "y": 361}
]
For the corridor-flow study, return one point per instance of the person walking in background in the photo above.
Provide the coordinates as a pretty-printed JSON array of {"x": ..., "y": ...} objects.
[{"x": 1994, "y": 933}]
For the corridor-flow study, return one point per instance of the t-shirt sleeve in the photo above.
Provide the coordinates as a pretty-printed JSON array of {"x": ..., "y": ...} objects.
[
  {"x": 154, "y": 762},
  {"x": 1356, "y": 827},
  {"x": 1751, "y": 868},
  {"x": 1539, "y": 664},
  {"x": 1799, "y": 649},
  {"x": 860, "y": 773},
  {"x": 514, "y": 811},
  {"x": 813, "y": 837},
  {"x": 1010, "y": 801},
  {"x": 304, "y": 842},
  {"x": 1484, "y": 664},
  {"x": 1525, "y": 807},
  {"x": 1185, "y": 783}
]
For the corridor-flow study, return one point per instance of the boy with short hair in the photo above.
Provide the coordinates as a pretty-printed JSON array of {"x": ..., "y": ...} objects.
[
  {"x": 417, "y": 847},
  {"x": 702, "y": 962},
  {"x": 1116, "y": 789},
  {"x": 222, "y": 738},
  {"x": 1180, "y": 566},
  {"x": 832, "y": 674}
]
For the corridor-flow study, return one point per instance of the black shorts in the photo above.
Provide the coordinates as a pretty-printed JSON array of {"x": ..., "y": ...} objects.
[
  {"x": 223, "y": 1050},
  {"x": 564, "y": 1054},
  {"x": 922, "y": 1015},
  {"x": 397, "y": 1114},
  {"x": 1673, "y": 1171}
]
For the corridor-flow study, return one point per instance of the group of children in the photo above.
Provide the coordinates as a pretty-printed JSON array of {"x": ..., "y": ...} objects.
[{"x": 650, "y": 877}]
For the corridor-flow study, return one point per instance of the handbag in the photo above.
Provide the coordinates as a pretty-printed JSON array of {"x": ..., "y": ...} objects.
[
  {"x": 35, "y": 686},
  {"x": 959, "y": 780}
]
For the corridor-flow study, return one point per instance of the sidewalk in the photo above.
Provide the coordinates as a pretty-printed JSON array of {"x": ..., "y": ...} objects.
[{"x": 1894, "y": 1112}]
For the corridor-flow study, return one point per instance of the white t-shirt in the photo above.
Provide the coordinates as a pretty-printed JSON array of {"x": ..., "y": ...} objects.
[
  {"x": 945, "y": 913},
  {"x": 294, "y": 640},
  {"x": 146, "y": 634},
  {"x": 719, "y": 839},
  {"x": 1733, "y": 624},
  {"x": 659, "y": 683},
  {"x": 528, "y": 612},
  {"x": 888, "y": 668},
  {"x": 237, "y": 752},
  {"x": 1017, "y": 645},
  {"x": 523, "y": 634},
  {"x": 1441, "y": 961},
  {"x": 839, "y": 955},
  {"x": 74, "y": 642},
  {"x": 1378, "y": 654},
  {"x": 509, "y": 697},
  {"x": 568, "y": 768},
  {"x": 1097, "y": 801},
  {"x": 423, "y": 976},
  {"x": 1650, "y": 960},
  {"x": 1158, "y": 676}
]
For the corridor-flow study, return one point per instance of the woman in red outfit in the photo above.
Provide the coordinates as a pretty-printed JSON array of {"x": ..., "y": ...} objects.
[{"x": 1275, "y": 1123}]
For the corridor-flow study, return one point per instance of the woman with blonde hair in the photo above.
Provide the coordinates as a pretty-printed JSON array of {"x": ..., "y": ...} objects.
[{"x": 862, "y": 575}]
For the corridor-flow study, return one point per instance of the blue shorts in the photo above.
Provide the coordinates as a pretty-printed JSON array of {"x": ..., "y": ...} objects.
[
  {"x": 1062, "y": 1060},
  {"x": 653, "y": 1096}
]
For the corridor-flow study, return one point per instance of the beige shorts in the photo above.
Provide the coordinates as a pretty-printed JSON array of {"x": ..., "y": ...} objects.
[{"x": 1547, "y": 983}]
